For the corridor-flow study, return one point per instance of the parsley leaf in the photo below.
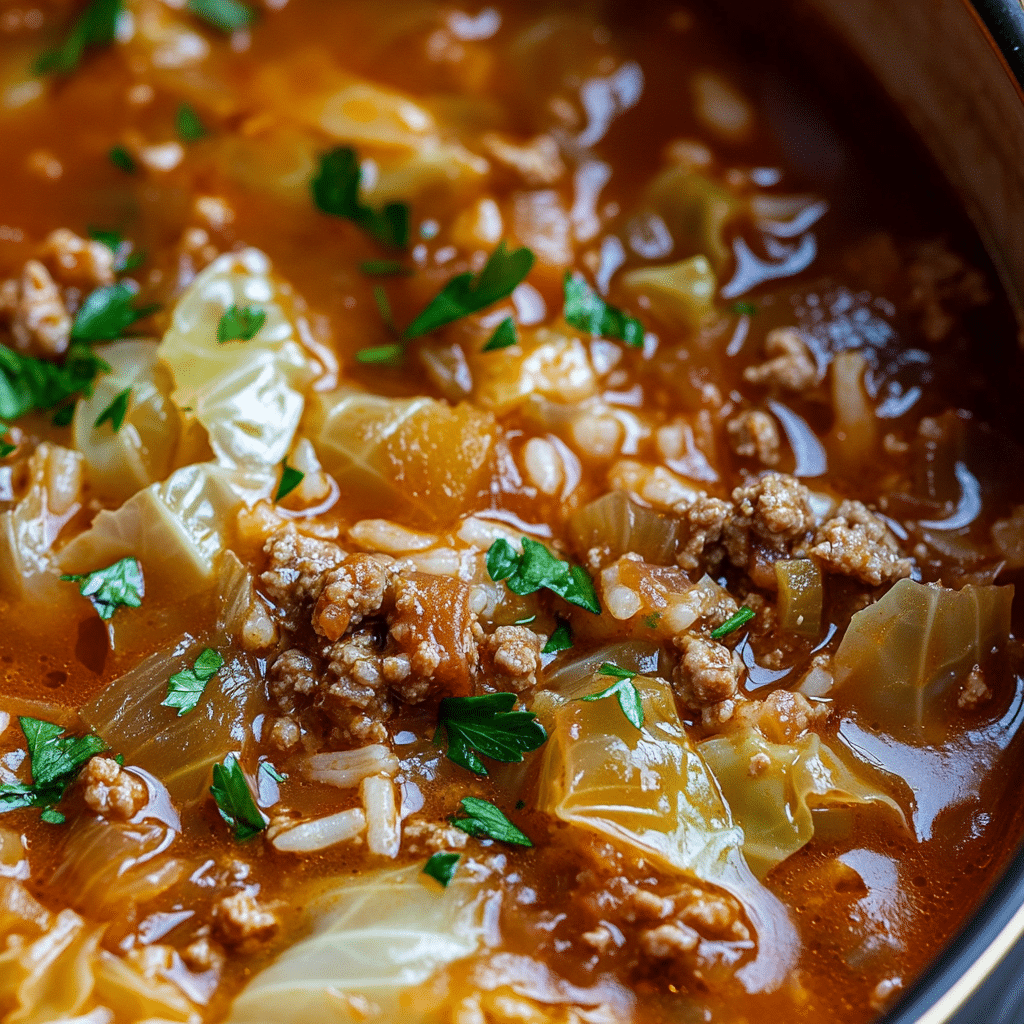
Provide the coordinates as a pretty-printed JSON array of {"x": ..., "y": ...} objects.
[
  {"x": 624, "y": 691},
  {"x": 536, "y": 567},
  {"x": 186, "y": 687},
  {"x": 587, "y": 311},
  {"x": 272, "y": 772},
  {"x": 227, "y": 15},
  {"x": 734, "y": 622},
  {"x": 384, "y": 268},
  {"x": 108, "y": 589},
  {"x": 52, "y": 817},
  {"x": 6, "y": 448},
  {"x": 96, "y": 27},
  {"x": 107, "y": 313},
  {"x": 561, "y": 640},
  {"x": 441, "y": 866},
  {"x": 240, "y": 323},
  {"x": 122, "y": 249},
  {"x": 188, "y": 123},
  {"x": 113, "y": 240},
  {"x": 489, "y": 725},
  {"x": 385, "y": 355},
  {"x": 465, "y": 294},
  {"x": 234, "y": 800},
  {"x": 115, "y": 413},
  {"x": 744, "y": 309},
  {"x": 335, "y": 189},
  {"x": 380, "y": 297},
  {"x": 27, "y": 383},
  {"x": 504, "y": 335},
  {"x": 122, "y": 159},
  {"x": 290, "y": 479},
  {"x": 55, "y": 761},
  {"x": 484, "y": 819}
]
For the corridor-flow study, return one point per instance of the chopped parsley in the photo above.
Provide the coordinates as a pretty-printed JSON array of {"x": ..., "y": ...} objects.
[
  {"x": 107, "y": 313},
  {"x": 186, "y": 687},
  {"x": 504, "y": 336},
  {"x": 240, "y": 323},
  {"x": 382, "y": 355},
  {"x": 380, "y": 297},
  {"x": 120, "y": 247},
  {"x": 115, "y": 413},
  {"x": 485, "y": 820},
  {"x": 55, "y": 761},
  {"x": 96, "y": 27},
  {"x": 487, "y": 725},
  {"x": 560, "y": 640},
  {"x": 227, "y": 15},
  {"x": 734, "y": 622},
  {"x": 6, "y": 448},
  {"x": 624, "y": 692},
  {"x": 234, "y": 799},
  {"x": 441, "y": 867},
  {"x": 27, "y": 383},
  {"x": 290, "y": 479},
  {"x": 118, "y": 585},
  {"x": 468, "y": 293},
  {"x": 588, "y": 312},
  {"x": 536, "y": 567},
  {"x": 651, "y": 621},
  {"x": 335, "y": 189},
  {"x": 188, "y": 124},
  {"x": 744, "y": 309},
  {"x": 384, "y": 268},
  {"x": 122, "y": 159},
  {"x": 272, "y": 772}
]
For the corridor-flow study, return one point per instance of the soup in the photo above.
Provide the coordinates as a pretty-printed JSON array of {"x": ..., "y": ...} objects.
[{"x": 507, "y": 514}]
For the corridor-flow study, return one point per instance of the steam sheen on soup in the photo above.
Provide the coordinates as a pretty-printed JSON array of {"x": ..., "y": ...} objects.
[{"x": 509, "y": 514}]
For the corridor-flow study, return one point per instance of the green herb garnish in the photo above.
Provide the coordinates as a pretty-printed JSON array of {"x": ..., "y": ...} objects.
[
  {"x": 504, "y": 336},
  {"x": 383, "y": 355},
  {"x": 122, "y": 159},
  {"x": 118, "y": 585},
  {"x": 186, "y": 687},
  {"x": 189, "y": 125},
  {"x": 484, "y": 819},
  {"x": 468, "y": 293},
  {"x": 441, "y": 867},
  {"x": 96, "y": 27},
  {"x": 269, "y": 769},
  {"x": 55, "y": 761},
  {"x": 122, "y": 249},
  {"x": 290, "y": 479},
  {"x": 560, "y": 640},
  {"x": 335, "y": 189},
  {"x": 487, "y": 725},
  {"x": 115, "y": 413},
  {"x": 240, "y": 323},
  {"x": 623, "y": 690},
  {"x": 27, "y": 383},
  {"x": 536, "y": 567},
  {"x": 384, "y": 268},
  {"x": 734, "y": 622},
  {"x": 588, "y": 312},
  {"x": 227, "y": 15},
  {"x": 107, "y": 313},
  {"x": 231, "y": 791},
  {"x": 6, "y": 448},
  {"x": 744, "y": 308}
]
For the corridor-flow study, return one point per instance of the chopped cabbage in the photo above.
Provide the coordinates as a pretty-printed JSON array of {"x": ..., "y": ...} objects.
[
  {"x": 901, "y": 656},
  {"x": 376, "y": 937},
  {"x": 176, "y": 529},
  {"x": 248, "y": 395},
  {"x": 681, "y": 294},
  {"x": 416, "y": 459},
  {"x": 774, "y": 807},
  {"x": 142, "y": 451}
]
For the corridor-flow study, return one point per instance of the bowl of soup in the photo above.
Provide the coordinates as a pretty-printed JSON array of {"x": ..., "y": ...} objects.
[{"x": 508, "y": 513}]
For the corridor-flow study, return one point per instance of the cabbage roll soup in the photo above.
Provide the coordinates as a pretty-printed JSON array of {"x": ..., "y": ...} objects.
[{"x": 509, "y": 514}]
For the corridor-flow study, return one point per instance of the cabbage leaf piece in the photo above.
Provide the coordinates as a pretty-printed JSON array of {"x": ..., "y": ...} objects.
[
  {"x": 774, "y": 807},
  {"x": 681, "y": 294},
  {"x": 901, "y": 656},
  {"x": 248, "y": 395},
  {"x": 378, "y": 937}
]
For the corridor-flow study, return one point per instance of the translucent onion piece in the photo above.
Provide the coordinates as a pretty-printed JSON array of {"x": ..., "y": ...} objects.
[
  {"x": 774, "y": 806},
  {"x": 901, "y": 656},
  {"x": 376, "y": 937},
  {"x": 413, "y": 459},
  {"x": 615, "y": 522},
  {"x": 854, "y": 435},
  {"x": 568, "y": 675},
  {"x": 176, "y": 529},
  {"x": 681, "y": 294},
  {"x": 247, "y": 394},
  {"x": 134, "y": 997},
  {"x": 179, "y": 751},
  {"x": 142, "y": 451},
  {"x": 800, "y": 596}
]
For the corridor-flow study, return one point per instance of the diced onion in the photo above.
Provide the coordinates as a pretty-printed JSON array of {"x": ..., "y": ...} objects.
[{"x": 800, "y": 596}]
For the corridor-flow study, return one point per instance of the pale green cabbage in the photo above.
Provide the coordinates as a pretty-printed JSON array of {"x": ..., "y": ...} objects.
[
  {"x": 681, "y": 294},
  {"x": 378, "y": 936},
  {"x": 901, "y": 657},
  {"x": 248, "y": 395},
  {"x": 774, "y": 806}
]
